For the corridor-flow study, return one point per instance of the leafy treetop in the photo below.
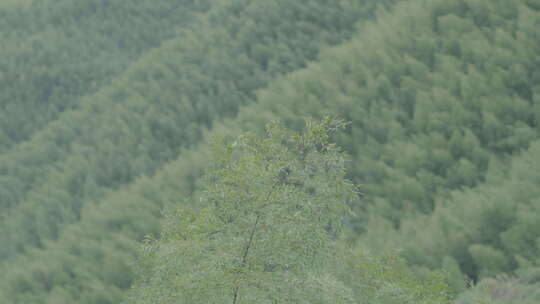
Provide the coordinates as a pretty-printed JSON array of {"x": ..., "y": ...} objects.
[{"x": 271, "y": 211}]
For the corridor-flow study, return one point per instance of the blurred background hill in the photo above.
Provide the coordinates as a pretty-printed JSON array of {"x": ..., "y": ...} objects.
[{"x": 106, "y": 107}]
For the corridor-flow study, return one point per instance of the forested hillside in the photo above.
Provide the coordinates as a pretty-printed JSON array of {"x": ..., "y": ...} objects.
[
  {"x": 106, "y": 107},
  {"x": 161, "y": 103},
  {"x": 140, "y": 121},
  {"x": 55, "y": 52}
]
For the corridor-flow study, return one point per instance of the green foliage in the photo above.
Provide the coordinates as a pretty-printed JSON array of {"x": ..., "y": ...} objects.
[
  {"x": 442, "y": 96},
  {"x": 426, "y": 119},
  {"x": 271, "y": 210},
  {"x": 55, "y": 52},
  {"x": 265, "y": 231},
  {"x": 456, "y": 279},
  {"x": 69, "y": 182},
  {"x": 491, "y": 261},
  {"x": 104, "y": 241},
  {"x": 502, "y": 290},
  {"x": 159, "y": 105},
  {"x": 386, "y": 279},
  {"x": 435, "y": 116},
  {"x": 488, "y": 230}
]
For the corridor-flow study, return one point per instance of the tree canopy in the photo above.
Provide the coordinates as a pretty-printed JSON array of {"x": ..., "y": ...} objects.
[{"x": 265, "y": 230}]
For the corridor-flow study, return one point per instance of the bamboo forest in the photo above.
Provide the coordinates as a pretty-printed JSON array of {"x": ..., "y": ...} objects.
[{"x": 270, "y": 151}]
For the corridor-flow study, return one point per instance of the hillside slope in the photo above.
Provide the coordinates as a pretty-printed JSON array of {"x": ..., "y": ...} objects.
[
  {"x": 55, "y": 52},
  {"x": 129, "y": 129},
  {"x": 160, "y": 104},
  {"x": 439, "y": 93}
]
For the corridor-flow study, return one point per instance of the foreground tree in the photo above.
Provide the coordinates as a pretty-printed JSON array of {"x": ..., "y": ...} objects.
[
  {"x": 272, "y": 209},
  {"x": 266, "y": 230}
]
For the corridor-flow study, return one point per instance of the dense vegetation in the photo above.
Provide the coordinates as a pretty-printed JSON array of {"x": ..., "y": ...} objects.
[
  {"x": 163, "y": 102},
  {"x": 266, "y": 229},
  {"x": 54, "y": 52},
  {"x": 104, "y": 109}
]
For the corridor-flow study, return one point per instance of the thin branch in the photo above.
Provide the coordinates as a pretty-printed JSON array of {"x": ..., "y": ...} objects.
[{"x": 250, "y": 241}]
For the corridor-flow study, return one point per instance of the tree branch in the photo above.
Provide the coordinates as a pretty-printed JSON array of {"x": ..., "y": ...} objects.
[{"x": 250, "y": 241}]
